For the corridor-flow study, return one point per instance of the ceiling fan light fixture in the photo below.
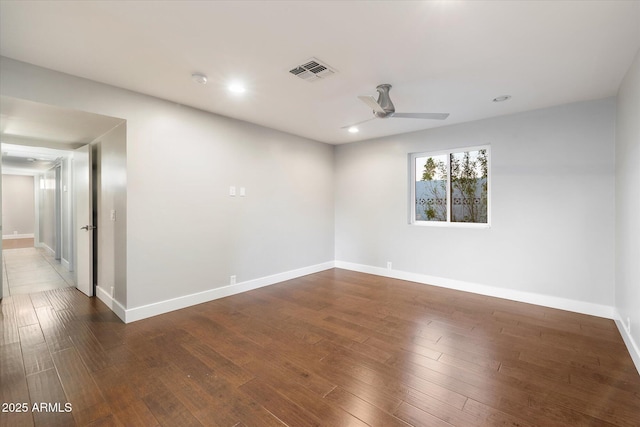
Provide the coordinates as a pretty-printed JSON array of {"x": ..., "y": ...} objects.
[
  {"x": 354, "y": 129},
  {"x": 502, "y": 98},
  {"x": 237, "y": 87},
  {"x": 199, "y": 78}
]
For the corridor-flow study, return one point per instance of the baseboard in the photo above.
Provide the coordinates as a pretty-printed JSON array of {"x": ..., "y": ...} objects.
[
  {"x": 527, "y": 297},
  {"x": 632, "y": 346},
  {"x": 17, "y": 236},
  {"x": 65, "y": 263},
  {"x": 110, "y": 302},
  {"x": 161, "y": 307},
  {"x": 50, "y": 251}
]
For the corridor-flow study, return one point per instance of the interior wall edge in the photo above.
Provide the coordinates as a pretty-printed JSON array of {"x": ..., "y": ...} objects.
[
  {"x": 632, "y": 345},
  {"x": 47, "y": 249},
  {"x": 583, "y": 307},
  {"x": 150, "y": 310},
  {"x": 145, "y": 311},
  {"x": 111, "y": 302}
]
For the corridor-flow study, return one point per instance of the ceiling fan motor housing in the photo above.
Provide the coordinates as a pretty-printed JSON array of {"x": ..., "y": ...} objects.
[{"x": 385, "y": 102}]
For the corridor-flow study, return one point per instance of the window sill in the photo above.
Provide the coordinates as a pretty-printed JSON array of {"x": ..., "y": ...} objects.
[{"x": 443, "y": 224}]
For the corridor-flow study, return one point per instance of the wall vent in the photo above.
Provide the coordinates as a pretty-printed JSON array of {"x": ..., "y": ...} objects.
[{"x": 312, "y": 70}]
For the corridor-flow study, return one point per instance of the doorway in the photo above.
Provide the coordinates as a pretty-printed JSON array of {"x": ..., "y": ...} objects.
[
  {"x": 36, "y": 217},
  {"x": 39, "y": 126}
]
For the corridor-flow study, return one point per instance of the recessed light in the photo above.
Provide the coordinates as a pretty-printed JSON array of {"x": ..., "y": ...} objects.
[
  {"x": 199, "y": 78},
  {"x": 353, "y": 129},
  {"x": 502, "y": 98},
  {"x": 237, "y": 88}
]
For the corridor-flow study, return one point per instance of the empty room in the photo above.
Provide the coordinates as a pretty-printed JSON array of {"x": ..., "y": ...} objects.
[{"x": 320, "y": 213}]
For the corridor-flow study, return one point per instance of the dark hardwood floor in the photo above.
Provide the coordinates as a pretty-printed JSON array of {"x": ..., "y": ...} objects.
[{"x": 336, "y": 348}]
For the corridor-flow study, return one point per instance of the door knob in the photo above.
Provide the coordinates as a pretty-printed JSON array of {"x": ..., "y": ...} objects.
[{"x": 88, "y": 227}]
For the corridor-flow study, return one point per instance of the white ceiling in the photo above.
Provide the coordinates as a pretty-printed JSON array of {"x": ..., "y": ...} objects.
[
  {"x": 440, "y": 56},
  {"x": 29, "y": 160},
  {"x": 50, "y": 125},
  {"x": 44, "y": 133}
]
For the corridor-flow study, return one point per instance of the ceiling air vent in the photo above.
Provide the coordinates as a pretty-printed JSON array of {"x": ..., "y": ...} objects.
[{"x": 313, "y": 70}]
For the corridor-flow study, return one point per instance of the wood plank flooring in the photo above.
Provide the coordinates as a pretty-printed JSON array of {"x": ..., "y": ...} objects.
[{"x": 336, "y": 348}]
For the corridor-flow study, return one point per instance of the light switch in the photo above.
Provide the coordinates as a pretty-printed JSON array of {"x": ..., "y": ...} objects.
[
  {"x": 243, "y": 191},
  {"x": 232, "y": 190}
]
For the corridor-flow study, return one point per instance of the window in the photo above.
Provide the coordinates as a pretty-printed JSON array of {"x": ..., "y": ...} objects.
[{"x": 451, "y": 187}]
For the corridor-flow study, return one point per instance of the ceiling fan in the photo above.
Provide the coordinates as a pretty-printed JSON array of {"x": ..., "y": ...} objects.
[{"x": 383, "y": 108}]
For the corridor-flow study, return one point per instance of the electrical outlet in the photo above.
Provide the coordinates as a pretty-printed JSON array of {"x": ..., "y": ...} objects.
[
  {"x": 232, "y": 280},
  {"x": 112, "y": 289},
  {"x": 232, "y": 190},
  {"x": 389, "y": 265}
]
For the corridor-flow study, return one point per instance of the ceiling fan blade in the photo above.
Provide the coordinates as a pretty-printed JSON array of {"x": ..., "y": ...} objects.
[
  {"x": 356, "y": 124},
  {"x": 371, "y": 102},
  {"x": 431, "y": 116}
]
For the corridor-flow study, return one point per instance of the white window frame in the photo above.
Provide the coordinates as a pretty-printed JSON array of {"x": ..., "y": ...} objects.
[{"x": 412, "y": 188}]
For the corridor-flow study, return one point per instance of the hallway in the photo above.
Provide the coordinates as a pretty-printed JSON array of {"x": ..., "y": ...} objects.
[{"x": 27, "y": 270}]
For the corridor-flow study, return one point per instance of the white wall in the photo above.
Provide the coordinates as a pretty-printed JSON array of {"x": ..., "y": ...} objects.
[
  {"x": 18, "y": 205},
  {"x": 552, "y": 234},
  {"x": 627, "y": 290},
  {"x": 112, "y": 182},
  {"x": 184, "y": 233}
]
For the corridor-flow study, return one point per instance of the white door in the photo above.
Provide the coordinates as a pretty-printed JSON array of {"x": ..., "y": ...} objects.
[{"x": 83, "y": 214}]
